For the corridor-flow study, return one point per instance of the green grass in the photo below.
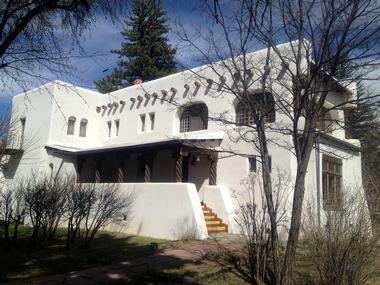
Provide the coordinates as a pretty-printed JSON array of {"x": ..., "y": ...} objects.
[{"x": 24, "y": 261}]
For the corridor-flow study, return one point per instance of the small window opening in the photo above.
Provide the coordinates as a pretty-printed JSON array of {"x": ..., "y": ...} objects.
[
  {"x": 109, "y": 125},
  {"x": 142, "y": 122},
  {"x": 117, "y": 124},
  {"x": 71, "y": 126},
  {"x": 152, "y": 119},
  {"x": 83, "y": 128},
  {"x": 252, "y": 164}
]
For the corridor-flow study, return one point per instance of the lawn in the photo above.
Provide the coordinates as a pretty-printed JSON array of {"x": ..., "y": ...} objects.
[
  {"x": 108, "y": 248},
  {"x": 53, "y": 258}
]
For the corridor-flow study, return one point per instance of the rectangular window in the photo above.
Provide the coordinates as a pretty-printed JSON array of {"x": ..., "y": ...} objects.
[
  {"x": 117, "y": 124},
  {"x": 83, "y": 128},
  {"x": 331, "y": 182},
  {"x": 109, "y": 125},
  {"x": 252, "y": 164},
  {"x": 142, "y": 123},
  {"x": 22, "y": 121},
  {"x": 152, "y": 118}
]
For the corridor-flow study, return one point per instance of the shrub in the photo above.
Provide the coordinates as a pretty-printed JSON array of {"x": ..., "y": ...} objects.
[{"x": 342, "y": 248}]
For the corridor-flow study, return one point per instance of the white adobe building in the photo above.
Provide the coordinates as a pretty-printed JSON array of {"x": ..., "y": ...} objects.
[{"x": 142, "y": 137}]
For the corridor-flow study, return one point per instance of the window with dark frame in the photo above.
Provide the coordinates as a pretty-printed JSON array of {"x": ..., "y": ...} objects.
[
  {"x": 194, "y": 118},
  {"x": 264, "y": 105},
  {"x": 331, "y": 182}
]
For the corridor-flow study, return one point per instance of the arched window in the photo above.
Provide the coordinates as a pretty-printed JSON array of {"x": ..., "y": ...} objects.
[
  {"x": 71, "y": 125},
  {"x": 194, "y": 118},
  {"x": 262, "y": 103},
  {"x": 83, "y": 128}
]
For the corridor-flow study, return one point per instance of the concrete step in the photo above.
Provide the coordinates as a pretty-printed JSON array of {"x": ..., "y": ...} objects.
[
  {"x": 217, "y": 229},
  {"x": 213, "y": 223}
]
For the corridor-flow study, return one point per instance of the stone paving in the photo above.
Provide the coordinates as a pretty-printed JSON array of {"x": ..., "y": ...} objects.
[{"x": 174, "y": 256}]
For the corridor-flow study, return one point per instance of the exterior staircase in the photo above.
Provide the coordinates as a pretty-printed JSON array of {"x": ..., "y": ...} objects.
[{"x": 213, "y": 223}]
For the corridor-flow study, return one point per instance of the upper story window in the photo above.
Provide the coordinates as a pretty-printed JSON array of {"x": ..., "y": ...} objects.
[
  {"x": 152, "y": 120},
  {"x": 109, "y": 126},
  {"x": 194, "y": 118},
  {"x": 331, "y": 182},
  {"x": 83, "y": 128},
  {"x": 71, "y": 125},
  {"x": 263, "y": 104},
  {"x": 117, "y": 125},
  {"x": 142, "y": 123}
]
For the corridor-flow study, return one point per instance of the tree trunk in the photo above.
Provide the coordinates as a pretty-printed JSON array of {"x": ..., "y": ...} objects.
[
  {"x": 267, "y": 185},
  {"x": 295, "y": 225}
]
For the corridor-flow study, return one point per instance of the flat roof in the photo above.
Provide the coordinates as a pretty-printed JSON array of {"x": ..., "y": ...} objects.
[{"x": 186, "y": 138}]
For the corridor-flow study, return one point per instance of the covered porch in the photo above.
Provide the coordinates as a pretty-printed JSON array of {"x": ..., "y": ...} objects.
[{"x": 193, "y": 161}]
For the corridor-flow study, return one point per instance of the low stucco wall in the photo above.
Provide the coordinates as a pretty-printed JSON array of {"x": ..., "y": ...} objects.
[
  {"x": 165, "y": 210},
  {"x": 218, "y": 198}
]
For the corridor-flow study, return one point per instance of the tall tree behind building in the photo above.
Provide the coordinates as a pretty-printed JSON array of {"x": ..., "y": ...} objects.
[{"x": 146, "y": 53}]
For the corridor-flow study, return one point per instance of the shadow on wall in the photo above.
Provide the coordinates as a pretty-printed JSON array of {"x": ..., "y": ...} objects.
[
  {"x": 186, "y": 229},
  {"x": 9, "y": 168}
]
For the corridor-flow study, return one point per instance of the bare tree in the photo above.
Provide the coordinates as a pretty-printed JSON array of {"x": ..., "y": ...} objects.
[
  {"x": 80, "y": 197},
  {"x": 342, "y": 249},
  {"x": 92, "y": 206},
  {"x": 324, "y": 37},
  {"x": 41, "y": 35},
  {"x": 45, "y": 203},
  {"x": 254, "y": 222},
  {"x": 110, "y": 206}
]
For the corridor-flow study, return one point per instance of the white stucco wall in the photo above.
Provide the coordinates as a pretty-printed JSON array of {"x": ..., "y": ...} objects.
[
  {"x": 165, "y": 210},
  {"x": 48, "y": 108},
  {"x": 219, "y": 199}
]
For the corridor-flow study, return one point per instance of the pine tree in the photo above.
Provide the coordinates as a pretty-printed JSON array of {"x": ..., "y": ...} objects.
[{"x": 146, "y": 53}]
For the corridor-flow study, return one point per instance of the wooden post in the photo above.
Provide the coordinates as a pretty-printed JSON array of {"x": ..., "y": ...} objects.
[
  {"x": 178, "y": 165},
  {"x": 98, "y": 177},
  {"x": 80, "y": 163},
  {"x": 213, "y": 166},
  {"x": 147, "y": 171},
  {"x": 120, "y": 171},
  {"x": 147, "y": 160}
]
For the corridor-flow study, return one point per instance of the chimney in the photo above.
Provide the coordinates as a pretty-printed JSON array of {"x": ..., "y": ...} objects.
[{"x": 137, "y": 81}]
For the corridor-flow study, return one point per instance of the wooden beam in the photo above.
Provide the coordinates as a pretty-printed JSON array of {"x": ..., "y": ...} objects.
[{"x": 213, "y": 171}]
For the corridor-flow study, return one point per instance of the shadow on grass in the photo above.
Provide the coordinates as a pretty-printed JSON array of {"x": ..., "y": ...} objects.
[{"x": 129, "y": 260}]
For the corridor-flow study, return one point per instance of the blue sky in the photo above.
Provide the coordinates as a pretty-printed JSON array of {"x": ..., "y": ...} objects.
[{"x": 104, "y": 36}]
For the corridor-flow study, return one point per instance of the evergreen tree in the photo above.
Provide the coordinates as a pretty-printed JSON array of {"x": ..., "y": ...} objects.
[{"x": 146, "y": 53}]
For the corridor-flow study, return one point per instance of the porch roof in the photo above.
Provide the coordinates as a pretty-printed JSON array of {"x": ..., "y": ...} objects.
[{"x": 197, "y": 139}]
